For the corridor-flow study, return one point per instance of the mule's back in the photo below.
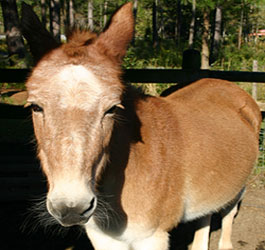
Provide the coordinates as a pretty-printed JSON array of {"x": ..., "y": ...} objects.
[{"x": 220, "y": 94}]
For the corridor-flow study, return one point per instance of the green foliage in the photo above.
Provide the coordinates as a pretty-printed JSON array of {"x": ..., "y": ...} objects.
[
  {"x": 168, "y": 53},
  {"x": 206, "y": 4},
  {"x": 143, "y": 55},
  {"x": 233, "y": 58}
]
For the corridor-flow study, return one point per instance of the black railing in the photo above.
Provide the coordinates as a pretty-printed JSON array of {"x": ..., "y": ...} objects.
[{"x": 156, "y": 75}]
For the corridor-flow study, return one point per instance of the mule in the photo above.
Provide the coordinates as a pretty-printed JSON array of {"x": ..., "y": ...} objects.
[{"x": 126, "y": 166}]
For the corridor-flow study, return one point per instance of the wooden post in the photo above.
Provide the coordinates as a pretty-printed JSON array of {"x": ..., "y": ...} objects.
[
  {"x": 254, "y": 84},
  {"x": 191, "y": 60}
]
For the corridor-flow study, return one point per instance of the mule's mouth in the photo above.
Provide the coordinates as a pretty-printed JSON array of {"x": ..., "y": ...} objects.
[
  {"x": 91, "y": 207},
  {"x": 72, "y": 216},
  {"x": 73, "y": 220}
]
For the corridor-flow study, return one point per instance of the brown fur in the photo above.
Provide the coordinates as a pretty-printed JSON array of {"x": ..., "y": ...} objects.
[{"x": 154, "y": 163}]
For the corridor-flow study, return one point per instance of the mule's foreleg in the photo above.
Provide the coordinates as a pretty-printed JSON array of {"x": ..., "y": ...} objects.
[
  {"x": 201, "y": 237},
  {"x": 158, "y": 241},
  {"x": 101, "y": 241},
  {"x": 225, "y": 242}
]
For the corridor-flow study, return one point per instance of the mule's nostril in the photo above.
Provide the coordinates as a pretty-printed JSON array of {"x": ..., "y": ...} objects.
[
  {"x": 68, "y": 213},
  {"x": 89, "y": 208}
]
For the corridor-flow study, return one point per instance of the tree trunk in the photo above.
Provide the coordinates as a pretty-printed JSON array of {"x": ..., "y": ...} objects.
[
  {"x": 55, "y": 20},
  {"x": 70, "y": 13},
  {"x": 217, "y": 35},
  {"x": 135, "y": 8},
  {"x": 192, "y": 25},
  {"x": 205, "y": 40},
  {"x": 254, "y": 84},
  {"x": 14, "y": 39},
  {"x": 161, "y": 28},
  {"x": 256, "y": 31},
  {"x": 43, "y": 12},
  {"x": 105, "y": 17},
  {"x": 155, "y": 34},
  {"x": 90, "y": 15},
  {"x": 178, "y": 22},
  {"x": 239, "y": 40}
]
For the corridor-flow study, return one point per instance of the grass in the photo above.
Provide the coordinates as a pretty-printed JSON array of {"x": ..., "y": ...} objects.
[
  {"x": 6, "y": 99},
  {"x": 247, "y": 86}
]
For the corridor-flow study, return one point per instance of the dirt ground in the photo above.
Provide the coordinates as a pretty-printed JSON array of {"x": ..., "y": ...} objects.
[
  {"x": 248, "y": 229},
  {"x": 249, "y": 225}
]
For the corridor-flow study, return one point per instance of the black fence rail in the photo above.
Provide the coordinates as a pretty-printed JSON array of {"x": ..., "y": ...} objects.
[{"x": 156, "y": 75}]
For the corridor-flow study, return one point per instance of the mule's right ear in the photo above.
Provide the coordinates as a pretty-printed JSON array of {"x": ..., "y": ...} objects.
[
  {"x": 39, "y": 39},
  {"x": 118, "y": 34}
]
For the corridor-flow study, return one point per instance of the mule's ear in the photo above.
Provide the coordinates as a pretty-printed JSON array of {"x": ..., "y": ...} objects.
[
  {"x": 118, "y": 34},
  {"x": 39, "y": 39}
]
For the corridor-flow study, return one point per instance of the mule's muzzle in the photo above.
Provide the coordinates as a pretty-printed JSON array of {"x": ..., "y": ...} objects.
[{"x": 68, "y": 214}]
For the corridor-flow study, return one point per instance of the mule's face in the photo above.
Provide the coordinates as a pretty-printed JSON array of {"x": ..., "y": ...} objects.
[
  {"x": 73, "y": 119},
  {"x": 74, "y": 92}
]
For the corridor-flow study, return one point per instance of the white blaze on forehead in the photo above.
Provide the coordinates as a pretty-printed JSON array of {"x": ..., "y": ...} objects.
[{"x": 79, "y": 86}]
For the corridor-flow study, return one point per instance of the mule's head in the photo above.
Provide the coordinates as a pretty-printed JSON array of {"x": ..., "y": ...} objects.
[{"x": 74, "y": 91}]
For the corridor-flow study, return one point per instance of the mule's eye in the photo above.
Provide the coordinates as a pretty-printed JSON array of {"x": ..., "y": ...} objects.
[
  {"x": 36, "y": 108},
  {"x": 112, "y": 110}
]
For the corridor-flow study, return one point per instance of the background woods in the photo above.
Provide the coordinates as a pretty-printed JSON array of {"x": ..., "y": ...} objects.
[{"x": 229, "y": 34}]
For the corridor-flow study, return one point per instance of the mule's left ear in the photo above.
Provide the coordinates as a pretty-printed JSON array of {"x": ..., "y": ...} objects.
[
  {"x": 39, "y": 39},
  {"x": 118, "y": 34}
]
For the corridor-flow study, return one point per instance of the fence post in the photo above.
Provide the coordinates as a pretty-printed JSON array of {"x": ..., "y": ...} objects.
[
  {"x": 191, "y": 60},
  {"x": 254, "y": 84}
]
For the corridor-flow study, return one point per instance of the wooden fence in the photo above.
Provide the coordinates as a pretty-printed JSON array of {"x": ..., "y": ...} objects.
[{"x": 157, "y": 75}]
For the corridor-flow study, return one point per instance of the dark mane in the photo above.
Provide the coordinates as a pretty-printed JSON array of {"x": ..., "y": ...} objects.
[{"x": 78, "y": 40}]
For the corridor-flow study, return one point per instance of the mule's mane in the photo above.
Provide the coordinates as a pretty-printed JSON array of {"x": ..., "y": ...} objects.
[{"x": 78, "y": 40}]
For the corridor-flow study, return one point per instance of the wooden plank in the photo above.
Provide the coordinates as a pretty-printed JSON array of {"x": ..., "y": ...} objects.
[
  {"x": 187, "y": 76},
  {"x": 13, "y": 75},
  {"x": 155, "y": 75}
]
